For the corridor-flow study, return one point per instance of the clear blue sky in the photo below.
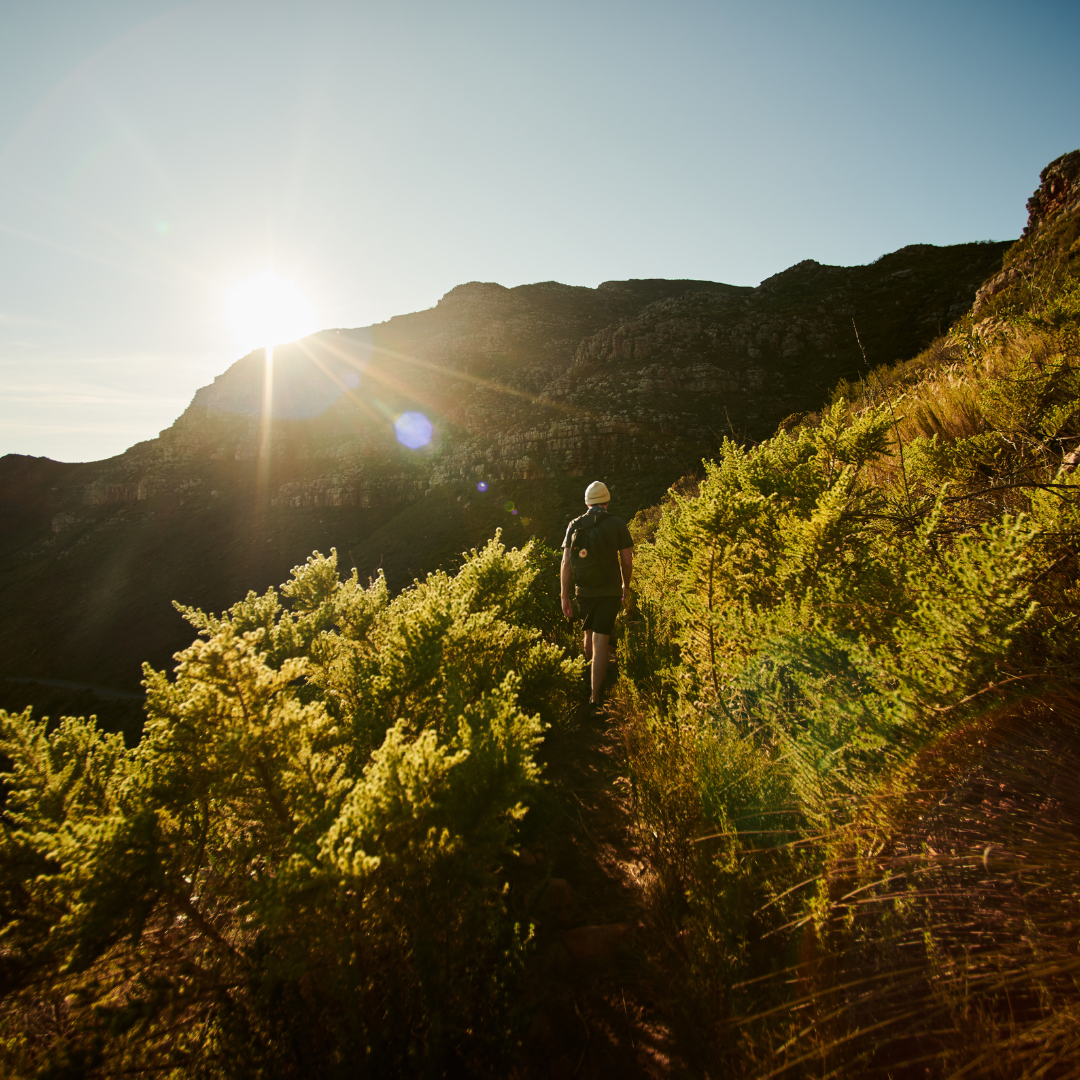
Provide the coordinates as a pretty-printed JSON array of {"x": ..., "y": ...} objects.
[{"x": 379, "y": 154}]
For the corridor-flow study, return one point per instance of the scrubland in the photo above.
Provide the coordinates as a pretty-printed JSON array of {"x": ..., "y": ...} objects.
[{"x": 848, "y": 703}]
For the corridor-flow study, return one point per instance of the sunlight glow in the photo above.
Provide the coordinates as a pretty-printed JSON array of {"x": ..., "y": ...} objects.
[{"x": 268, "y": 310}]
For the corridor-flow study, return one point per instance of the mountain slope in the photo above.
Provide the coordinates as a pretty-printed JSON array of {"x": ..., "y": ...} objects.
[
  {"x": 850, "y": 704},
  {"x": 529, "y": 389}
]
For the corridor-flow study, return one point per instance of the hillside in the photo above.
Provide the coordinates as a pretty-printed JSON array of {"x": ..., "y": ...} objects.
[
  {"x": 827, "y": 824},
  {"x": 530, "y": 389},
  {"x": 850, "y": 705}
]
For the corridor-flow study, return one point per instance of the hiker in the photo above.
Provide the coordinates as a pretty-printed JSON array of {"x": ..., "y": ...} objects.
[{"x": 598, "y": 555}]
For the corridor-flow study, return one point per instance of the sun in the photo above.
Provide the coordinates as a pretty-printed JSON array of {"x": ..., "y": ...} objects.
[{"x": 268, "y": 310}]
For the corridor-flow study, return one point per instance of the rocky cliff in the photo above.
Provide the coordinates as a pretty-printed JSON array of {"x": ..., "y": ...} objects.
[
  {"x": 1050, "y": 239},
  {"x": 529, "y": 391}
]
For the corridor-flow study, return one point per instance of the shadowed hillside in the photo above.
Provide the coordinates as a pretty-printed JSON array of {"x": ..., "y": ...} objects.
[{"x": 530, "y": 389}]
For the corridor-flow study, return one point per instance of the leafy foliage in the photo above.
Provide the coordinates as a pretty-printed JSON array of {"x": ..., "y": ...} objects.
[
  {"x": 298, "y": 870},
  {"x": 868, "y": 617}
]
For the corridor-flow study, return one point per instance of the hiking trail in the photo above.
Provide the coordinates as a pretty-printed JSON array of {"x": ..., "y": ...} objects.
[{"x": 579, "y": 880}]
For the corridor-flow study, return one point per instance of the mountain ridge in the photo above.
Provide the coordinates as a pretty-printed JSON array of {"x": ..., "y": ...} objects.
[{"x": 529, "y": 389}]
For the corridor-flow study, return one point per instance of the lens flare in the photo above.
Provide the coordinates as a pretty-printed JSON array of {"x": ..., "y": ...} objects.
[
  {"x": 413, "y": 429},
  {"x": 482, "y": 486}
]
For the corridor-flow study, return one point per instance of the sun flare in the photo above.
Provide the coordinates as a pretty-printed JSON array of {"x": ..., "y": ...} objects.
[{"x": 268, "y": 310}]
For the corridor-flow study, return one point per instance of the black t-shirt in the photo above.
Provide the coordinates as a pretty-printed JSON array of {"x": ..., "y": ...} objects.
[{"x": 618, "y": 537}]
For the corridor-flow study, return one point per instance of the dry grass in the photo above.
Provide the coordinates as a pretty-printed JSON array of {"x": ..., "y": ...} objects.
[
  {"x": 944, "y": 938},
  {"x": 946, "y": 943},
  {"x": 992, "y": 379}
]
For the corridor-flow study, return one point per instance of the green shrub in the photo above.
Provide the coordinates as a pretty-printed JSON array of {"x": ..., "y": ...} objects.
[
  {"x": 820, "y": 619},
  {"x": 299, "y": 869}
]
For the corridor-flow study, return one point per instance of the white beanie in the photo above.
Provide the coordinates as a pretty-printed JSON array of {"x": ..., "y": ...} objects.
[{"x": 596, "y": 493}]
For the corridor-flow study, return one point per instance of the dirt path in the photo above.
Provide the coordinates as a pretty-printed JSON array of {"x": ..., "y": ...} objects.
[{"x": 586, "y": 987}]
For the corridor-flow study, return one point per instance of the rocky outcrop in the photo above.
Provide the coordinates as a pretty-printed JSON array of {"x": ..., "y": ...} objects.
[
  {"x": 1049, "y": 237},
  {"x": 543, "y": 379},
  {"x": 1058, "y": 193}
]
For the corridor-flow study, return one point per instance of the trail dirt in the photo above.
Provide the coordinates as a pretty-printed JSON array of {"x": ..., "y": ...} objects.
[{"x": 589, "y": 1008}]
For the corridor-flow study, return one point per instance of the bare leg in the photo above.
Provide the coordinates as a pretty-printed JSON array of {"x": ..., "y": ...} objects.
[
  {"x": 587, "y": 643},
  {"x": 599, "y": 664}
]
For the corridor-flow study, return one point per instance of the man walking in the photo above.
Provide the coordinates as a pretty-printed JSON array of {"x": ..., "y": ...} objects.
[{"x": 598, "y": 555}]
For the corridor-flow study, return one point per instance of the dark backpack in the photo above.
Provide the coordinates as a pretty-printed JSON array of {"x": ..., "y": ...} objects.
[{"x": 590, "y": 552}]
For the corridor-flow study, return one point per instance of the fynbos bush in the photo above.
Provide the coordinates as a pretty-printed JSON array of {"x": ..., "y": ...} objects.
[
  {"x": 298, "y": 871},
  {"x": 831, "y": 639}
]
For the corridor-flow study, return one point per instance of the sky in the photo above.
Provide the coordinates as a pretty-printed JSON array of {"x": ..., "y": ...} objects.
[{"x": 155, "y": 156}]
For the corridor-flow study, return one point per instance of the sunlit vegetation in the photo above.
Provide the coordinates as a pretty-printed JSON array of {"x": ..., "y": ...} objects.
[
  {"x": 851, "y": 706},
  {"x": 299, "y": 869}
]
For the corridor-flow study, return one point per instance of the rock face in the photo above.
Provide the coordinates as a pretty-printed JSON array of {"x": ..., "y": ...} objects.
[
  {"x": 1058, "y": 193},
  {"x": 547, "y": 379},
  {"x": 1052, "y": 228},
  {"x": 530, "y": 391}
]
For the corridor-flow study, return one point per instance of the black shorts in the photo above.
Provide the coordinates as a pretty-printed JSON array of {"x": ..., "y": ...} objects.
[{"x": 599, "y": 612}]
